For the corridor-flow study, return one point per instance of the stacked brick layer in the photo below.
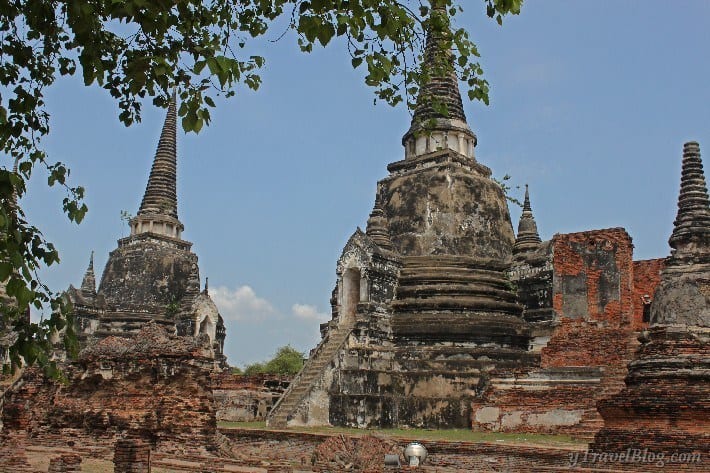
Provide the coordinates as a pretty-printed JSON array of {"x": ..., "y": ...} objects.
[
  {"x": 65, "y": 463},
  {"x": 131, "y": 456},
  {"x": 154, "y": 386}
]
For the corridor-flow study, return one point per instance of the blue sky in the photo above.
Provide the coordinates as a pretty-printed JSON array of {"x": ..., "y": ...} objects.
[{"x": 591, "y": 103}]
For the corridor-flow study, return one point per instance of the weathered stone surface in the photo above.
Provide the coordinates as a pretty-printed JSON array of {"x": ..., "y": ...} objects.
[
  {"x": 440, "y": 203},
  {"x": 149, "y": 274}
]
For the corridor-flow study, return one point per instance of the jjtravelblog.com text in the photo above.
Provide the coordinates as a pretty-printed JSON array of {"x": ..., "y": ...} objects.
[{"x": 634, "y": 455}]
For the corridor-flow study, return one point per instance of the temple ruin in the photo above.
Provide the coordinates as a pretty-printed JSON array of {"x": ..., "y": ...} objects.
[
  {"x": 152, "y": 275},
  {"x": 151, "y": 342},
  {"x": 443, "y": 318}
]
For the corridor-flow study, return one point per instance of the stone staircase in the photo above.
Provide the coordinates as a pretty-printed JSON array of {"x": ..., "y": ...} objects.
[{"x": 311, "y": 372}]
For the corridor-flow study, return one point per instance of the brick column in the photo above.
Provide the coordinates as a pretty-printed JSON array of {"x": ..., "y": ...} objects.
[{"x": 131, "y": 456}]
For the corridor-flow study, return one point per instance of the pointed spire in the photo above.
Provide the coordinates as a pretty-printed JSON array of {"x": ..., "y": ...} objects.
[
  {"x": 158, "y": 210},
  {"x": 88, "y": 285},
  {"x": 377, "y": 226},
  {"x": 443, "y": 86},
  {"x": 160, "y": 193},
  {"x": 207, "y": 287},
  {"x": 526, "y": 202},
  {"x": 528, "y": 237},
  {"x": 431, "y": 129},
  {"x": 692, "y": 223}
]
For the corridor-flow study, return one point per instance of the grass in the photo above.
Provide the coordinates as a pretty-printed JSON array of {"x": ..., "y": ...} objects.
[{"x": 454, "y": 435}]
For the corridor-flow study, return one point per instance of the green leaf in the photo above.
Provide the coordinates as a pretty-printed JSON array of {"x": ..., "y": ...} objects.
[{"x": 5, "y": 270}]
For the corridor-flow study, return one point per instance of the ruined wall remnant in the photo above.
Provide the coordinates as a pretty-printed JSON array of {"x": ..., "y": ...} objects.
[
  {"x": 246, "y": 398},
  {"x": 65, "y": 463},
  {"x": 156, "y": 386},
  {"x": 593, "y": 299},
  {"x": 593, "y": 275}
]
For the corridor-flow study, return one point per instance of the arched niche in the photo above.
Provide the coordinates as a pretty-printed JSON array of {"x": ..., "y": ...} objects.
[{"x": 351, "y": 292}]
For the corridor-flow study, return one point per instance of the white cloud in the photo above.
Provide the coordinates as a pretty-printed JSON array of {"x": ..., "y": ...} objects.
[
  {"x": 308, "y": 312},
  {"x": 241, "y": 304}
]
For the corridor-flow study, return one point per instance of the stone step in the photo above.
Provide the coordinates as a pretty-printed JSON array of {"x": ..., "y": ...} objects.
[{"x": 309, "y": 376}]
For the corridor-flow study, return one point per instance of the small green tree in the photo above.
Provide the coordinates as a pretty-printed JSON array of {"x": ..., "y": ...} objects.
[
  {"x": 254, "y": 368},
  {"x": 287, "y": 360}
]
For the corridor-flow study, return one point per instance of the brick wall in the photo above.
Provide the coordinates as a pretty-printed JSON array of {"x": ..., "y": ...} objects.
[
  {"x": 593, "y": 299},
  {"x": 246, "y": 398},
  {"x": 647, "y": 277},
  {"x": 122, "y": 386}
]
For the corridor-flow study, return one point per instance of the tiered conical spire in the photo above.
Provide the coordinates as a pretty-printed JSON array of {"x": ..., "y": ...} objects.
[
  {"x": 377, "y": 226},
  {"x": 88, "y": 285},
  {"x": 441, "y": 92},
  {"x": 443, "y": 86},
  {"x": 692, "y": 223},
  {"x": 528, "y": 237},
  {"x": 158, "y": 210},
  {"x": 161, "y": 194}
]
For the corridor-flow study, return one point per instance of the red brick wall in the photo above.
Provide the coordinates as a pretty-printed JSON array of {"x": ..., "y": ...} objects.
[
  {"x": 647, "y": 276},
  {"x": 599, "y": 334},
  {"x": 227, "y": 380},
  {"x": 163, "y": 400},
  {"x": 583, "y": 253}
]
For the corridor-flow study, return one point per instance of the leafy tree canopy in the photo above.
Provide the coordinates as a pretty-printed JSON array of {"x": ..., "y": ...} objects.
[
  {"x": 287, "y": 360},
  {"x": 141, "y": 50}
]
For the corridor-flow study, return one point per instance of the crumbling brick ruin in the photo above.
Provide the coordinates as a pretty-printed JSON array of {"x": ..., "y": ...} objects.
[
  {"x": 155, "y": 386},
  {"x": 152, "y": 275},
  {"x": 583, "y": 289}
]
